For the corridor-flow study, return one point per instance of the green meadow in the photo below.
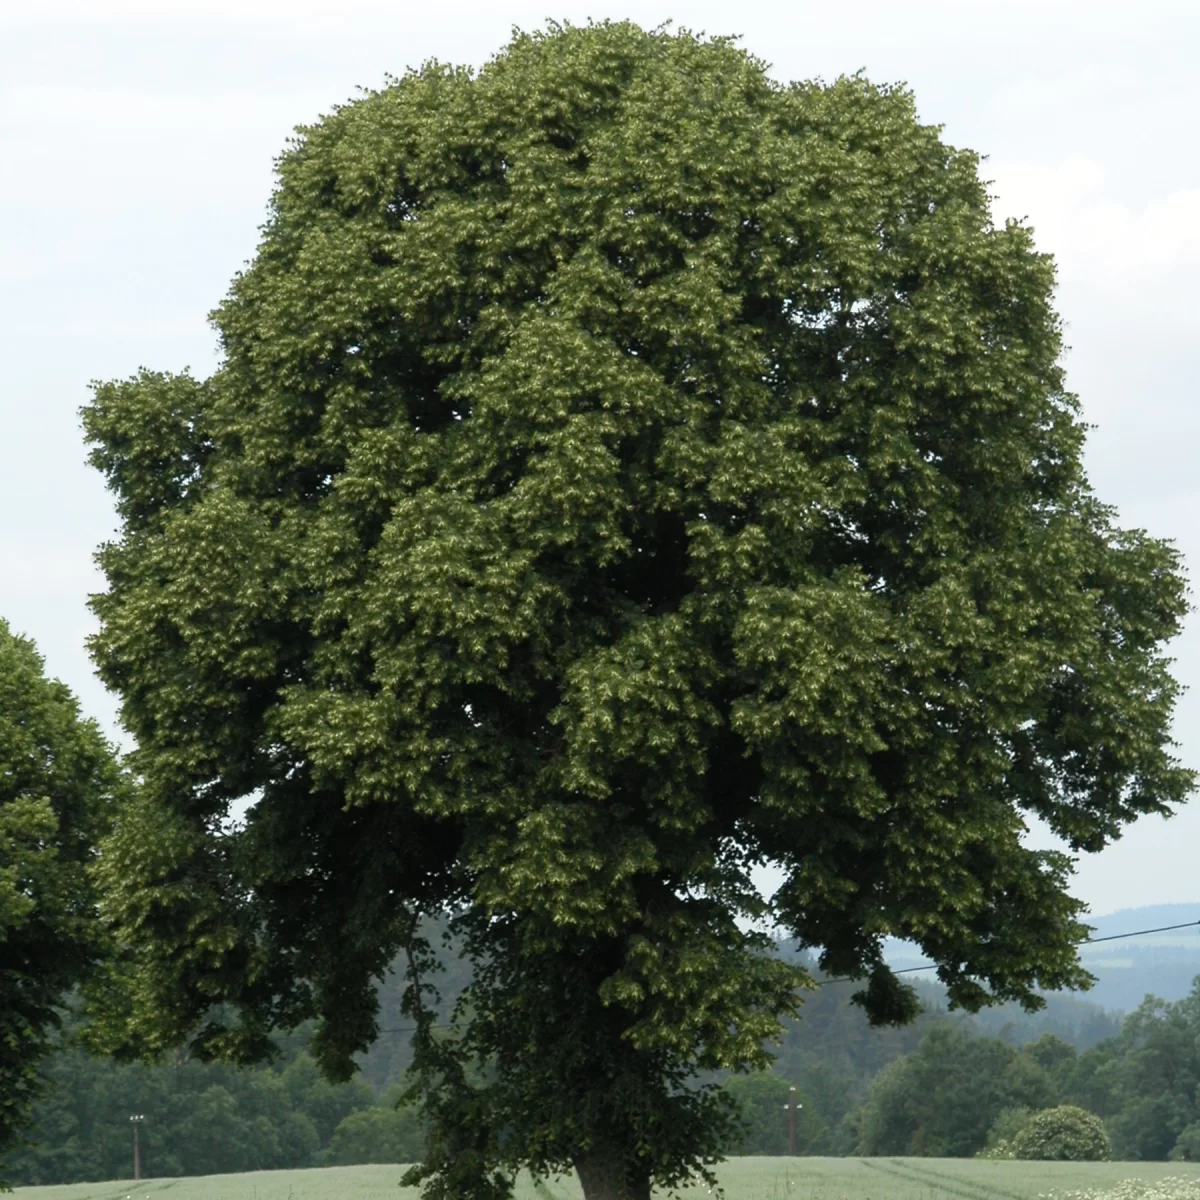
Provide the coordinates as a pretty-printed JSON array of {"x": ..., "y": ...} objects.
[{"x": 742, "y": 1179}]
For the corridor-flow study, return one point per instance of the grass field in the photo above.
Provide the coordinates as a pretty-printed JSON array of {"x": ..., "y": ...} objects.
[{"x": 743, "y": 1179}]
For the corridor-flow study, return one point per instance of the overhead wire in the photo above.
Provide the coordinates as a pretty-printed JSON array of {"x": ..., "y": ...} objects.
[
  {"x": 1090, "y": 941},
  {"x": 1112, "y": 937}
]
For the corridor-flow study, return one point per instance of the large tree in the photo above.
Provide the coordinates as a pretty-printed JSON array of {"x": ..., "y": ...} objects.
[
  {"x": 58, "y": 782},
  {"x": 623, "y": 471}
]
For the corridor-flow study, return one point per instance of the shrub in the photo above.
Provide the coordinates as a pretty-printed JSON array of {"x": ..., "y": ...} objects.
[
  {"x": 1008, "y": 1124},
  {"x": 1063, "y": 1133}
]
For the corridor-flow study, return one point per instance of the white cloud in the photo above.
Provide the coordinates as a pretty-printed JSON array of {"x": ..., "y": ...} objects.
[{"x": 1096, "y": 240}]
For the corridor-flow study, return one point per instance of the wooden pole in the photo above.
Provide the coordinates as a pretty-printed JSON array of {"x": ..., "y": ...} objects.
[
  {"x": 792, "y": 1122},
  {"x": 137, "y": 1148}
]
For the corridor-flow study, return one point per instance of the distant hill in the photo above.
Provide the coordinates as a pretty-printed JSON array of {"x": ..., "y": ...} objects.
[
  {"x": 1162, "y": 964},
  {"x": 1150, "y": 916}
]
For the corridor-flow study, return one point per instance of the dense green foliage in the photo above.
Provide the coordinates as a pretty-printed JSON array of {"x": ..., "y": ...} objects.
[
  {"x": 833, "y": 1054},
  {"x": 204, "y": 1119},
  {"x": 379, "y": 1134},
  {"x": 623, "y": 470},
  {"x": 1008, "y": 1123},
  {"x": 1146, "y": 1083},
  {"x": 762, "y": 1101},
  {"x": 942, "y": 1100},
  {"x": 58, "y": 783},
  {"x": 1063, "y": 1133},
  {"x": 210, "y": 1118},
  {"x": 961, "y": 1094}
]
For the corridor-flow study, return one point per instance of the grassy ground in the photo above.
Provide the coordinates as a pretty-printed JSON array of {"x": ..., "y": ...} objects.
[{"x": 743, "y": 1179}]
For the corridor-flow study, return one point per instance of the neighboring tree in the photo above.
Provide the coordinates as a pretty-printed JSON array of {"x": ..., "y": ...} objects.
[
  {"x": 1066, "y": 1133},
  {"x": 623, "y": 470},
  {"x": 201, "y": 1119},
  {"x": 1056, "y": 1057},
  {"x": 943, "y": 1100},
  {"x": 380, "y": 1134},
  {"x": 58, "y": 782},
  {"x": 1090, "y": 1083},
  {"x": 1187, "y": 1145},
  {"x": 1150, "y": 1085},
  {"x": 1144, "y": 1083},
  {"x": 327, "y": 1107}
]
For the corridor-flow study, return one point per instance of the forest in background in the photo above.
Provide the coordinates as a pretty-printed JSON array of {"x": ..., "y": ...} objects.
[{"x": 940, "y": 1086}]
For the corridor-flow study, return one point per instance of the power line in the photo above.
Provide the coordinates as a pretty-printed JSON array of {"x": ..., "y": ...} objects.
[
  {"x": 1116, "y": 937},
  {"x": 1112, "y": 937}
]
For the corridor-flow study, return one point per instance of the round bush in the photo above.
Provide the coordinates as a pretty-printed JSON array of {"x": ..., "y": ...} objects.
[{"x": 1063, "y": 1133}]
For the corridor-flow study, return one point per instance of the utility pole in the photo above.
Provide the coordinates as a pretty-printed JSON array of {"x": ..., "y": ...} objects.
[
  {"x": 137, "y": 1147},
  {"x": 792, "y": 1123}
]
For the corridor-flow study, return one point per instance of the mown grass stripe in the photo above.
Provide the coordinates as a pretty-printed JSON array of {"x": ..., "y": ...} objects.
[
  {"x": 990, "y": 1189},
  {"x": 949, "y": 1184}
]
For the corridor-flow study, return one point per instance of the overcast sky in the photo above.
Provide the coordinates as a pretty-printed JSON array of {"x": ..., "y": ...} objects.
[{"x": 136, "y": 145}]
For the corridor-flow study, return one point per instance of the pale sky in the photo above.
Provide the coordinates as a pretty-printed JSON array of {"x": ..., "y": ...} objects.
[{"x": 137, "y": 139}]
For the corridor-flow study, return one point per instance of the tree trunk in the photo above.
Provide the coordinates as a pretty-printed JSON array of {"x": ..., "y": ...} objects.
[{"x": 605, "y": 1177}]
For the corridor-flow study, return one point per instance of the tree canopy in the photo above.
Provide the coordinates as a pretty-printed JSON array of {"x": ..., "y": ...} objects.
[
  {"x": 942, "y": 1099},
  {"x": 58, "y": 781},
  {"x": 623, "y": 471},
  {"x": 200, "y": 1119},
  {"x": 1147, "y": 1082}
]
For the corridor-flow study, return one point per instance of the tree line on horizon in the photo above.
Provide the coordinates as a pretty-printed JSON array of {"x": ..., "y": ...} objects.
[
  {"x": 961, "y": 1092},
  {"x": 941, "y": 1087}
]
